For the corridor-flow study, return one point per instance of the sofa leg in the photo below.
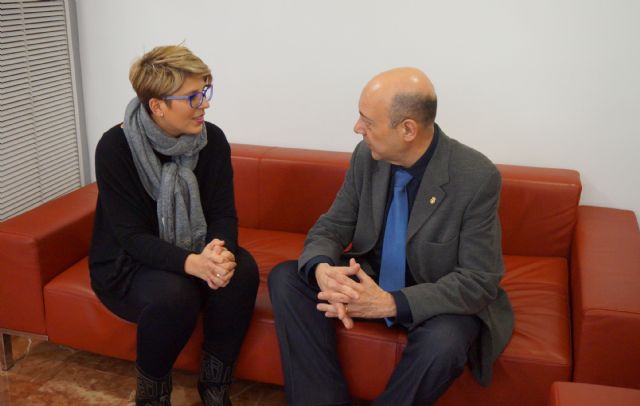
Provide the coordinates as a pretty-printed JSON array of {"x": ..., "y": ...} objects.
[{"x": 6, "y": 352}]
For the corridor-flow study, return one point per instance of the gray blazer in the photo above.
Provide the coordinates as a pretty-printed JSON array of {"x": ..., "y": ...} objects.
[{"x": 453, "y": 244}]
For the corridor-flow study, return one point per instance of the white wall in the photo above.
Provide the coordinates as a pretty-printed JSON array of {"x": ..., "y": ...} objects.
[{"x": 552, "y": 83}]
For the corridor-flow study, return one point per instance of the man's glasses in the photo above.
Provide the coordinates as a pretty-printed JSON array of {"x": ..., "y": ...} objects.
[{"x": 196, "y": 99}]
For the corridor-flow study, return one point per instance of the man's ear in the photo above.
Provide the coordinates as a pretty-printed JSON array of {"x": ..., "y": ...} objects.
[
  {"x": 156, "y": 107},
  {"x": 409, "y": 129}
]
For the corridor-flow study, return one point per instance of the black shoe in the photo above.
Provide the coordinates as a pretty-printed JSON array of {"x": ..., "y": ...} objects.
[
  {"x": 153, "y": 392},
  {"x": 214, "y": 385}
]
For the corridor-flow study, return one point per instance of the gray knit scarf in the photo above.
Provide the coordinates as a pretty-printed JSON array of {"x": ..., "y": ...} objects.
[{"x": 172, "y": 185}]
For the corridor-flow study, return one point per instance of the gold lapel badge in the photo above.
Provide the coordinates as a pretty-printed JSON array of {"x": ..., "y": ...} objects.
[{"x": 432, "y": 200}]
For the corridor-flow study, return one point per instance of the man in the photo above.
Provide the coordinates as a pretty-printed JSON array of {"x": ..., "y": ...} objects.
[{"x": 420, "y": 211}]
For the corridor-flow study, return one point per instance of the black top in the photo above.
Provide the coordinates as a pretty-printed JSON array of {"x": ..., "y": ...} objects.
[{"x": 125, "y": 232}]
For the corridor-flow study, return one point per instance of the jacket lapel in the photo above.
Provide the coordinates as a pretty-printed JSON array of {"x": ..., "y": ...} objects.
[{"x": 430, "y": 193}]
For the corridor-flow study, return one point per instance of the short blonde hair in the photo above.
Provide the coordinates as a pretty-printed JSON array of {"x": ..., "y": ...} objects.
[{"x": 162, "y": 71}]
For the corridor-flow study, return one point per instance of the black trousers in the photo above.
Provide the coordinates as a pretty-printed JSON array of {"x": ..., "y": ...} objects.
[
  {"x": 435, "y": 356},
  {"x": 165, "y": 306}
]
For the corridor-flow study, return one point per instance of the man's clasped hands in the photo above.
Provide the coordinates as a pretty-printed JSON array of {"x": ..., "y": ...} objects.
[{"x": 348, "y": 292}]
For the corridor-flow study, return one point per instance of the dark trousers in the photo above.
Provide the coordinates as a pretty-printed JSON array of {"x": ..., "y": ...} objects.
[
  {"x": 435, "y": 356},
  {"x": 165, "y": 306}
]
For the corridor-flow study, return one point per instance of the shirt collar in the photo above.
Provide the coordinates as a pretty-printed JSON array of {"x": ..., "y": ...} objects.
[{"x": 417, "y": 169}]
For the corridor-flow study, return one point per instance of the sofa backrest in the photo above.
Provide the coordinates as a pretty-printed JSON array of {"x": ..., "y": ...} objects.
[
  {"x": 538, "y": 210},
  {"x": 287, "y": 189}
]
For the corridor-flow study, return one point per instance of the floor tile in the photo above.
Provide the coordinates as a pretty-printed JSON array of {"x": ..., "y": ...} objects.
[{"x": 47, "y": 374}]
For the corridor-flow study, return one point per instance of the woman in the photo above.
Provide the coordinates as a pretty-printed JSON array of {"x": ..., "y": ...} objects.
[{"x": 165, "y": 237}]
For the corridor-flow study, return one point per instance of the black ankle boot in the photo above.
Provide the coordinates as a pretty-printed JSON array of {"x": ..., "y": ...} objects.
[
  {"x": 153, "y": 392},
  {"x": 214, "y": 384}
]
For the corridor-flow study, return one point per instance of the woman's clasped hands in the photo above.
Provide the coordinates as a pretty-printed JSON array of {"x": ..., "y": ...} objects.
[{"x": 214, "y": 265}]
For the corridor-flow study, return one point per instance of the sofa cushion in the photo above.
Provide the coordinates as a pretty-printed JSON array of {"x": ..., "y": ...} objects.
[
  {"x": 92, "y": 327},
  {"x": 580, "y": 394},
  {"x": 539, "y": 351},
  {"x": 76, "y": 318},
  {"x": 537, "y": 354},
  {"x": 269, "y": 248}
]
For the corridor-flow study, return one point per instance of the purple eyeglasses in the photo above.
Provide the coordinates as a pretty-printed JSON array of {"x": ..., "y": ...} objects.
[{"x": 196, "y": 99}]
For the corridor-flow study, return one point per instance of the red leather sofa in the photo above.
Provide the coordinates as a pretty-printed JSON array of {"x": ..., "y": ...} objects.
[{"x": 572, "y": 274}]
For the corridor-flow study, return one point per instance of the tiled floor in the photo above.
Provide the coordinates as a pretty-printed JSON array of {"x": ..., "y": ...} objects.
[{"x": 48, "y": 374}]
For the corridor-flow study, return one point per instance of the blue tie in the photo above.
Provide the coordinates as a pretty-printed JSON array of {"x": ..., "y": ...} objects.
[{"x": 394, "y": 257}]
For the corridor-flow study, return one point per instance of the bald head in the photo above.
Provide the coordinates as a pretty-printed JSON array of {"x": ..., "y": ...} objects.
[{"x": 407, "y": 93}]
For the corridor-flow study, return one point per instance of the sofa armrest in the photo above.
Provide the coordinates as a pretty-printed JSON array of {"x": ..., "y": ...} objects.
[
  {"x": 605, "y": 287},
  {"x": 36, "y": 246}
]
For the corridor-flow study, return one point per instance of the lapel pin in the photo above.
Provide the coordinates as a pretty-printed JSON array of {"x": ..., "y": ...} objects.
[{"x": 432, "y": 200}]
